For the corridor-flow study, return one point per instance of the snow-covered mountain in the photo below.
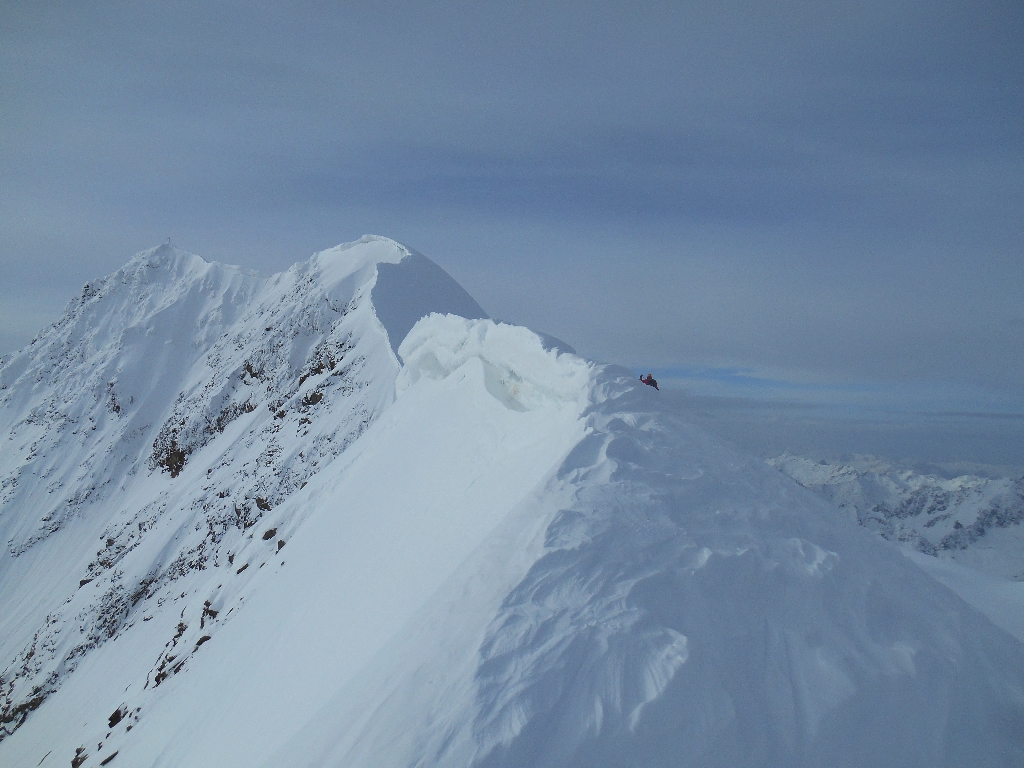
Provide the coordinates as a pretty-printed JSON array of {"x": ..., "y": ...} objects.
[
  {"x": 174, "y": 407},
  {"x": 337, "y": 517},
  {"x": 976, "y": 521}
]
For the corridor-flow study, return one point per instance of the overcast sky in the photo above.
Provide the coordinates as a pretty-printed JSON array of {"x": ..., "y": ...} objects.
[{"x": 825, "y": 195}]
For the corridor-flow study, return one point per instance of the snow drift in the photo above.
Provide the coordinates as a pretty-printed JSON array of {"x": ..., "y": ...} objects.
[
  {"x": 518, "y": 369},
  {"x": 301, "y": 549}
]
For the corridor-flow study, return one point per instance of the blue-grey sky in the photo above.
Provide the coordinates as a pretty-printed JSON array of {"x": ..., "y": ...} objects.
[{"x": 827, "y": 197}]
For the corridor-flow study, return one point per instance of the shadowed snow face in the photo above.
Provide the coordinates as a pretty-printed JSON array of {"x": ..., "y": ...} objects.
[{"x": 413, "y": 288}]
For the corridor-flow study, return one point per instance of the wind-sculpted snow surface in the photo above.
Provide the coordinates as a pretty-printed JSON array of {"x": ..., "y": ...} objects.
[
  {"x": 499, "y": 554},
  {"x": 662, "y": 601}
]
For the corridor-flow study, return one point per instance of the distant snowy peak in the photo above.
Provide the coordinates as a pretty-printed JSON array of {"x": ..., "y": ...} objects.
[
  {"x": 167, "y": 257},
  {"x": 974, "y": 520}
]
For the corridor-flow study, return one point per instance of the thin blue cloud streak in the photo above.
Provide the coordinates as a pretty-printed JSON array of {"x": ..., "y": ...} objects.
[{"x": 852, "y": 397}]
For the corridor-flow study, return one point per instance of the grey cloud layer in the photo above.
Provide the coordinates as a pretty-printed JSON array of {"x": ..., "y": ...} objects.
[{"x": 822, "y": 189}]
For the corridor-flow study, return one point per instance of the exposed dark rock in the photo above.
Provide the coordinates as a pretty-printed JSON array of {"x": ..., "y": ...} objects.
[
  {"x": 11, "y": 719},
  {"x": 253, "y": 373},
  {"x": 164, "y": 670},
  {"x": 270, "y": 534},
  {"x": 169, "y": 456}
]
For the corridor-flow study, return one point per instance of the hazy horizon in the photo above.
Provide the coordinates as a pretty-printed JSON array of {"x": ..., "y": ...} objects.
[{"x": 942, "y": 443}]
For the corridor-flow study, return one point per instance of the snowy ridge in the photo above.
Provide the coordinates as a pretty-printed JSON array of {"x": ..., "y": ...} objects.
[
  {"x": 674, "y": 603},
  {"x": 973, "y": 520},
  {"x": 481, "y": 551}
]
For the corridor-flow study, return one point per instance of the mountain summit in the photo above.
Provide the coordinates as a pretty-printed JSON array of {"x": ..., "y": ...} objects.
[{"x": 338, "y": 517}]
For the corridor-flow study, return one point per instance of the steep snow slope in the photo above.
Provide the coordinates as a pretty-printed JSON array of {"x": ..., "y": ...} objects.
[
  {"x": 976, "y": 521},
  {"x": 518, "y": 559},
  {"x": 174, "y": 407}
]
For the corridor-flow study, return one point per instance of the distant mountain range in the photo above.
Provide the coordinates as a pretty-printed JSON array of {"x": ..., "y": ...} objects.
[{"x": 973, "y": 520}]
